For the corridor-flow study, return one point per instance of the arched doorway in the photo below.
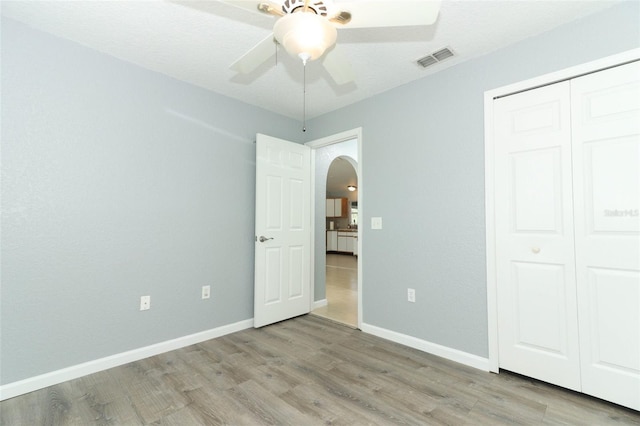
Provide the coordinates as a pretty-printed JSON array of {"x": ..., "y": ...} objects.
[{"x": 341, "y": 261}]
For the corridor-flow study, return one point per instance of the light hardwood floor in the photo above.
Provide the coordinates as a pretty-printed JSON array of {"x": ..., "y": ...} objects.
[
  {"x": 305, "y": 371},
  {"x": 341, "y": 290}
]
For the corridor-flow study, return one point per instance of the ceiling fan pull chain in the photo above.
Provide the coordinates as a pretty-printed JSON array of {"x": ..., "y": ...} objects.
[{"x": 304, "y": 96}]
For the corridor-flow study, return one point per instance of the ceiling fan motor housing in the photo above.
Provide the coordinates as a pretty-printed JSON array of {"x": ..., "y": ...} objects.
[{"x": 291, "y": 6}]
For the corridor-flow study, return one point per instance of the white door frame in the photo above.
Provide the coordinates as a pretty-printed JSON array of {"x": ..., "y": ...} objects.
[
  {"x": 319, "y": 143},
  {"x": 489, "y": 96}
]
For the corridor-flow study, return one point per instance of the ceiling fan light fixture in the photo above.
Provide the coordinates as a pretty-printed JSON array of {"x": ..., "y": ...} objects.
[{"x": 305, "y": 34}]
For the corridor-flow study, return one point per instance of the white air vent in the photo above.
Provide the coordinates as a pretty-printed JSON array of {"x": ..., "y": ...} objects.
[{"x": 435, "y": 57}]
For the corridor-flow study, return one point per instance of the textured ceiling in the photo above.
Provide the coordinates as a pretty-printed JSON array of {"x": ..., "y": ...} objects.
[{"x": 197, "y": 41}]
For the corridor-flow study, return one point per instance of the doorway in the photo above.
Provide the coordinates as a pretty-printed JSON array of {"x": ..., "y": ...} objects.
[
  {"x": 341, "y": 253},
  {"x": 348, "y": 268}
]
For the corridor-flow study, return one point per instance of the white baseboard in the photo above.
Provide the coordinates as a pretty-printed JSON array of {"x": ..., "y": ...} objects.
[
  {"x": 319, "y": 303},
  {"x": 31, "y": 384},
  {"x": 432, "y": 348}
]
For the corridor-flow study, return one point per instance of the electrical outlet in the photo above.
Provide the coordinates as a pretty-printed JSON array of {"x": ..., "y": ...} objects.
[
  {"x": 411, "y": 295},
  {"x": 145, "y": 303},
  {"x": 206, "y": 291}
]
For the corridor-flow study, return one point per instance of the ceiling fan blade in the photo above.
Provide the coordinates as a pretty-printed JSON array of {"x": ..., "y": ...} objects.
[
  {"x": 271, "y": 8},
  {"x": 338, "y": 66},
  {"x": 399, "y": 13},
  {"x": 259, "y": 54},
  {"x": 243, "y": 4},
  {"x": 342, "y": 17}
]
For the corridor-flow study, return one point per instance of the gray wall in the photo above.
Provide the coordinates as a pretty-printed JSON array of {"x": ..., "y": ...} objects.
[
  {"x": 323, "y": 158},
  {"x": 423, "y": 170},
  {"x": 118, "y": 182}
]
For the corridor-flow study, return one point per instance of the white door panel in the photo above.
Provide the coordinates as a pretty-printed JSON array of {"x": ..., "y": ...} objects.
[
  {"x": 296, "y": 272},
  {"x": 273, "y": 275},
  {"x": 609, "y": 166},
  {"x": 540, "y": 324},
  {"x": 537, "y": 319},
  {"x": 613, "y": 296},
  {"x": 536, "y": 186},
  {"x": 283, "y": 216},
  {"x": 606, "y": 152},
  {"x": 273, "y": 203}
]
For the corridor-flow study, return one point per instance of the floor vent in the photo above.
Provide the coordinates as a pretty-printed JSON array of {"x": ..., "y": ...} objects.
[{"x": 435, "y": 57}]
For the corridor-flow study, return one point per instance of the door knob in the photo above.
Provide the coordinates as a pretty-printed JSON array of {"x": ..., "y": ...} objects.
[{"x": 263, "y": 239}]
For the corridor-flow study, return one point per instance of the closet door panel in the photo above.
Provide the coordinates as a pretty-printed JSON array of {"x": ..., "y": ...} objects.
[
  {"x": 613, "y": 298},
  {"x": 536, "y": 191},
  {"x": 610, "y": 190},
  {"x": 540, "y": 307},
  {"x": 537, "y": 318},
  {"x": 606, "y": 165}
]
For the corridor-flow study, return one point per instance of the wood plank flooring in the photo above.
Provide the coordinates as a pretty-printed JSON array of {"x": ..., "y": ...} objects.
[{"x": 305, "y": 371}]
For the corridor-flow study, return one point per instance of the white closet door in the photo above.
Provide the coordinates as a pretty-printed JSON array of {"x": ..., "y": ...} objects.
[
  {"x": 606, "y": 165},
  {"x": 536, "y": 289}
]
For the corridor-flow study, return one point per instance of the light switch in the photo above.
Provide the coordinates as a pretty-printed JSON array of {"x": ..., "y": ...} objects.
[{"x": 376, "y": 223}]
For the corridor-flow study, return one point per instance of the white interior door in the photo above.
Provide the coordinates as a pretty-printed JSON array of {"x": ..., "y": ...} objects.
[
  {"x": 606, "y": 166},
  {"x": 535, "y": 266},
  {"x": 283, "y": 230}
]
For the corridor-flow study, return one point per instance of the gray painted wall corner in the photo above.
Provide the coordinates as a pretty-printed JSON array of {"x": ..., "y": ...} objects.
[
  {"x": 118, "y": 182},
  {"x": 424, "y": 176}
]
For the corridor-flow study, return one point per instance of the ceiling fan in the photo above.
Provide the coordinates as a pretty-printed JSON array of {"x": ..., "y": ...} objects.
[{"x": 307, "y": 28}]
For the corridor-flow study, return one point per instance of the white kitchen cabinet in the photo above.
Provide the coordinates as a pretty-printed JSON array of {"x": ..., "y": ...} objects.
[
  {"x": 330, "y": 207},
  {"x": 343, "y": 242},
  {"x": 337, "y": 207},
  {"x": 332, "y": 240},
  {"x": 346, "y": 241}
]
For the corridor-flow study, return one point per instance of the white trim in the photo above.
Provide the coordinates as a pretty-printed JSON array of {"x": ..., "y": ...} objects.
[
  {"x": 361, "y": 184},
  {"x": 451, "y": 354},
  {"x": 492, "y": 297},
  {"x": 312, "y": 229},
  {"x": 31, "y": 384},
  {"x": 319, "y": 303},
  {"x": 489, "y": 96},
  {"x": 319, "y": 143},
  {"x": 567, "y": 73},
  {"x": 337, "y": 138}
]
